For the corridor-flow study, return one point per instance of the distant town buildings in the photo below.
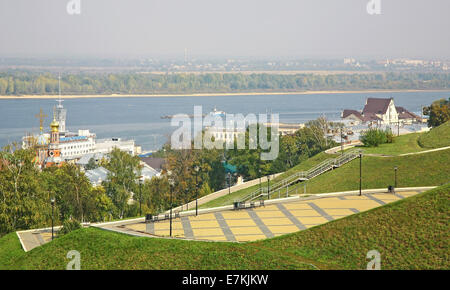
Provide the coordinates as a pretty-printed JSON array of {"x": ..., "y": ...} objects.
[
  {"x": 59, "y": 145},
  {"x": 379, "y": 112}
]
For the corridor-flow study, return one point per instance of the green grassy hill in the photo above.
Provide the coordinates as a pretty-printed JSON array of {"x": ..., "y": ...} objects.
[
  {"x": 426, "y": 169},
  {"x": 436, "y": 137},
  {"x": 410, "y": 234},
  {"x": 378, "y": 172},
  {"x": 402, "y": 144},
  {"x": 230, "y": 198}
]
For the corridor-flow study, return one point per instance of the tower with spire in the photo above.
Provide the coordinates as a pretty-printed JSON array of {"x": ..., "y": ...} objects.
[
  {"x": 42, "y": 140},
  {"x": 54, "y": 152},
  {"x": 59, "y": 112}
]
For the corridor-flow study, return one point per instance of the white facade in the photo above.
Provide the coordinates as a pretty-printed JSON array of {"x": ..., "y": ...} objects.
[
  {"x": 74, "y": 147},
  {"x": 106, "y": 145},
  {"x": 391, "y": 115},
  {"x": 227, "y": 136}
]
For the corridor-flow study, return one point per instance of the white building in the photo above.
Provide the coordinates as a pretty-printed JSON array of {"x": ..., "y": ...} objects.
[
  {"x": 106, "y": 145},
  {"x": 76, "y": 145}
]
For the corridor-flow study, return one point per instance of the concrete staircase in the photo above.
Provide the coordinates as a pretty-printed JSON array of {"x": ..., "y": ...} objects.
[{"x": 317, "y": 170}]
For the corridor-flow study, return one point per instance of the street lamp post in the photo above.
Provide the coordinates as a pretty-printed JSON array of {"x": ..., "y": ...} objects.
[
  {"x": 171, "y": 185},
  {"x": 197, "y": 169},
  {"x": 259, "y": 171},
  {"x": 268, "y": 186},
  {"x": 229, "y": 182},
  {"x": 395, "y": 177},
  {"x": 360, "y": 174},
  {"x": 52, "y": 201},
  {"x": 140, "y": 195}
]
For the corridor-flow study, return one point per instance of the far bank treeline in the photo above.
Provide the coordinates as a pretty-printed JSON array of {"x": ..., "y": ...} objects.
[
  {"x": 34, "y": 83},
  {"x": 26, "y": 191}
]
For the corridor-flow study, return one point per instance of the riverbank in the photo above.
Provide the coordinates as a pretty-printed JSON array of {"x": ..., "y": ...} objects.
[{"x": 215, "y": 94}]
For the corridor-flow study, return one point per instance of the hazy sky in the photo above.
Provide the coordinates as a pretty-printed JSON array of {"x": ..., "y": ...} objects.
[{"x": 269, "y": 28}]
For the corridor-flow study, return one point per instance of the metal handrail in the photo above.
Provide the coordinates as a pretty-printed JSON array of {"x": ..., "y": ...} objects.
[{"x": 311, "y": 173}]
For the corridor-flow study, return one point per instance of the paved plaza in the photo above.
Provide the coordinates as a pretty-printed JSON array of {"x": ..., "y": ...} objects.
[
  {"x": 263, "y": 222},
  {"x": 32, "y": 239},
  {"x": 242, "y": 225}
]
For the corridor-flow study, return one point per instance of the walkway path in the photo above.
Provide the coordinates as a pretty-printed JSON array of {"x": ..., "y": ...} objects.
[
  {"x": 34, "y": 238},
  {"x": 283, "y": 216},
  {"x": 337, "y": 149},
  {"x": 263, "y": 222}
]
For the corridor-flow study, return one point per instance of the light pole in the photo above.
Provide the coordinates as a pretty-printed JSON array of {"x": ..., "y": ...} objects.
[
  {"x": 268, "y": 186},
  {"x": 229, "y": 183},
  {"x": 171, "y": 185},
  {"x": 197, "y": 169},
  {"x": 342, "y": 144},
  {"x": 140, "y": 195},
  {"x": 395, "y": 176},
  {"x": 52, "y": 201},
  {"x": 360, "y": 174},
  {"x": 260, "y": 188}
]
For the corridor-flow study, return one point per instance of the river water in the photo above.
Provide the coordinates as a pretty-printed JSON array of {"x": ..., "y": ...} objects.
[{"x": 140, "y": 118}]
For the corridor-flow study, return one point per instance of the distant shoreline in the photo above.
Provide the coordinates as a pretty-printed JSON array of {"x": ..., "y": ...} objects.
[{"x": 214, "y": 94}]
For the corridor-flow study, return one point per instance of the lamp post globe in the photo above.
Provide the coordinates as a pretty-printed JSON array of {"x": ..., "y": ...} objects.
[
  {"x": 52, "y": 201},
  {"x": 395, "y": 176},
  {"x": 171, "y": 185},
  {"x": 140, "y": 195},
  {"x": 197, "y": 169}
]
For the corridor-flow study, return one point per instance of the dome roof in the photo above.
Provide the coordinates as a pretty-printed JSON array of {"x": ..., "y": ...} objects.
[{"x": 54, "y": 125}]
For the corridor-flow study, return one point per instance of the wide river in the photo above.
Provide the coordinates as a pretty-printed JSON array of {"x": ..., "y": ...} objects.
[{"x": 140, "y": 118}]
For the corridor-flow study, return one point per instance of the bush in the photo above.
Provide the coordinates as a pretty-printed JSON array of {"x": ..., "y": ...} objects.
[
  {"x": 68, "y": 226},
  {"x": 373, "y": 137},
  {"x": 389, "y": 136}
]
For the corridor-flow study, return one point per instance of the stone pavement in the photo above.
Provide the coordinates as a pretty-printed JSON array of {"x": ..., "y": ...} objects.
[
  {"x": 35, "y": 238},
  {"x": 262, "y": 222},
  {"x": 241, "y": 225}
]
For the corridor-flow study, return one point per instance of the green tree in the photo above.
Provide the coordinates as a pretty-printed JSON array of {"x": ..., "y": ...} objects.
[
  {"x": 124, "y": 171},
  {"x": 72, "y": 192},
  {"x": 438, "y": 112},
  {"x": 23, "y": 202}
]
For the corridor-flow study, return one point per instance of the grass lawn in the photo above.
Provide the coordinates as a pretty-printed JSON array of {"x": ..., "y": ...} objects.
[
  {"x": 426, "y": 169},
  {"x": 402, "y": 144},
  {"x": 101, "y": 249},
  {"x": 410, "y": 234},
  {"x": 229, "y": 199},
  {"x": 436, "y": 137}
]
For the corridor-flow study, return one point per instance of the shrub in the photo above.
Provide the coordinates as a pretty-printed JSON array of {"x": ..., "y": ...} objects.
[
  {"x": 373, "y": 137},
  {"x": 68, "y": 226},
  {"x": 389, "y": 136}
]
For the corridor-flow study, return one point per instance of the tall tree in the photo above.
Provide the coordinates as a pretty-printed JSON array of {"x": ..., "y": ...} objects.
[
  {"x": 438, "y": 112},
  {"x": 124, "y": 171}
]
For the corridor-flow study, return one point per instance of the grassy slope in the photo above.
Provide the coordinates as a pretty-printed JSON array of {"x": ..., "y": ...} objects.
[
  {"x": 229, "y": 199},
  {"x": 410, "y": 234},
  {"x": 101, "y": 249},
  {"x": 426, "y": 169},
  {"x": 402, "y": 144},
  {"x": 436, "y": 137},
  {"x": 10, "y": 250},
  {"x": 408, "y": 143}
]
